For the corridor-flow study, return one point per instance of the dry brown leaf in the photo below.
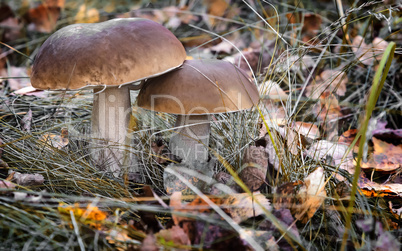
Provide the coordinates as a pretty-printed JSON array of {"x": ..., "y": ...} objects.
[
  {"x": 58, "y": 141},
  {"x": 321, "y": 149},
  {"x": 294, "y": 63},
  {"x": 385, "y": 158},
  {"x": 292, "y": 139},
  {"x": 311, "y": 24},
  {"x": 347, "y": 138},
  {"x": 329, "y": 81},
  {"x": 242, "y": 206},
  {"x": 373, "y": 189},
  {"x": 328, "y": 112},
  {"x": 215, "y": 8},
  {"x": 273, "y": 114},
  {"x": 250, "y": 58},
  {"x": 285, "y": 195},
  {"x": 5, "y": 184},
  {"x": 270, "y": 150},
  {"x": 366, "y": 53},
  {"x": 10, "y": 26},
  {"x": 194, "y": 41},
  {"x": 118, "y": 237},
  {"x": 55, "y": 3},
  {"x": 43, "y": 18},
  {"x": 311, "y": 195},
  {"x": 176, "y": 205},
  {"x": 264, "y": 238},
  {"x": 27, "y": 179},
  {"x": 307, "y": 129},
  {"x": 271, "y": 90},
  {"x": 255, "y": 160},
  {"x": 18, "y": 77}
]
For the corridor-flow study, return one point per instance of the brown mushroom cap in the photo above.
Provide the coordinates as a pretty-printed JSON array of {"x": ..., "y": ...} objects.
[
  {"x": 199, "y": 87},
  {"x": 112, "y": 53}
]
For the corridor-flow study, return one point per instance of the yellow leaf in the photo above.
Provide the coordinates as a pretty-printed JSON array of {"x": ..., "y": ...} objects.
[{"x": 85, "y": 15}]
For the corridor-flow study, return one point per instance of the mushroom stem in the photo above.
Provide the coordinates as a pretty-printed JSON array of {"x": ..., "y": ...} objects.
[
  {"x": 110, "y": 119},
  {"x": 191, "y": 139}
]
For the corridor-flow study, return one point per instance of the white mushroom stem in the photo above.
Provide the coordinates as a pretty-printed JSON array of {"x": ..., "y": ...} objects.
[
  {"x": 110, "y": 120},
  {"x": 191, "y": 138}
]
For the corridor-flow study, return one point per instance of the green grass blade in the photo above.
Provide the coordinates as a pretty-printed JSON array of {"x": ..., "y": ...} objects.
[{"x": 378, "y": 83}]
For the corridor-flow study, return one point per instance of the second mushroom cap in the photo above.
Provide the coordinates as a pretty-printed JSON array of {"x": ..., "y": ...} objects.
[{"x": 199, "y": 87}]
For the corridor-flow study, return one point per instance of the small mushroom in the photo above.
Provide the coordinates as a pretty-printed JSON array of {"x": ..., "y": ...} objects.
[
  {"x": 107, "y": 57},
  {"x": 195, "y": 91}
]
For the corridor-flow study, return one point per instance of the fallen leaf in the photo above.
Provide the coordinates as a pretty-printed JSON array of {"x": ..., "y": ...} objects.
[
  {"x": 240, "y": 206},
  {"x": 21, "y": 196},
  {"x": 347, "y": 138},
  {"x": 328, "y": 112},
  {"x": 272, "y": 154},
  {"x": 311, "y": 26},
  {"x": 255, "y": 160},
  {"x": 374, "y": 189},
  {"x": 311, "y": 195},
  {"x": 385, "y": 158},
  {"x": 271, "y": 90},
  {"x": 86, "y": 15},
  {"x": 285, "y": 195},
  {"x": 250, "y": 60},
  {"x": 26, "y": 121},
  {"x": 10, "y": 26},
  {"x": 323, "y": 149},
  {"x": 285, "y": 217},
  {"x": 366, "y": 53},
  {"x": 329, "y": 81},
  {"x": 118, "y": 237},
  {"x": 308, "y": 130},
  {"x": 43, "y": 18},
  {"x": 243, "y": 206},
  {"x": 292, "y": 139},
  {"x": 57, "y": 141},
  {"x": 294, "y": 63},
  {"x": 18, "y": 77},
  {"x": 263, "y": 238},
  {"x": 27, "y": 179},
  {"x": 215, "y": 8},
  {"x": 5, "y": 184},
  {"x": 273, "y": 114}
]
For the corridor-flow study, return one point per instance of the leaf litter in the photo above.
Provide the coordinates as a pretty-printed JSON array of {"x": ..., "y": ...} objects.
[{"x": 297, "y": 160}]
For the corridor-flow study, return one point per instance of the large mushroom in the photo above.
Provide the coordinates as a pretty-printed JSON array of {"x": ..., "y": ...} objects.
[
  {"x": 195, "y": 91},
  {"x": 107, "y": 57}
]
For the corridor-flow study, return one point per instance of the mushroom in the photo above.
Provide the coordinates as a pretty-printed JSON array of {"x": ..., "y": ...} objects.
[
  {"x": 195, "y": 91},
  {"x": 107, "y": 57}
]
